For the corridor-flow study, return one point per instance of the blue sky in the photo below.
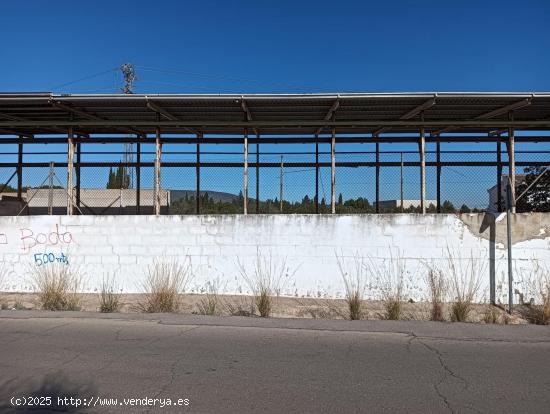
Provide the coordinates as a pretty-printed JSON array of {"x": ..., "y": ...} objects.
[{"x": 279, "y": 46}]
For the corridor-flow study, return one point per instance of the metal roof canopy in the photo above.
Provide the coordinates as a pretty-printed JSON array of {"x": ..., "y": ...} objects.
[{"x": 27, "y": 114}]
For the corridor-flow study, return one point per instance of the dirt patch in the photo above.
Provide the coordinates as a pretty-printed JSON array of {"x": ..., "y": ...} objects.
[{"x": 284, "y": 307}]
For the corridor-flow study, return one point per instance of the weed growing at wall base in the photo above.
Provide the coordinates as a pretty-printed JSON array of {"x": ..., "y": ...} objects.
[
  {"x": 438, "y": 286},
  {"x": 57, "y": 286},
  {"x": 165, "y": 281},
  {"x": 210, "y": 304},
  {"x": 109, "y": 301},
  {"x": 354, "y": 277},
  {"x": 391, "y": 276},
  {"x": 266, "y": 281},
  {"x": 465, "y": 283}
]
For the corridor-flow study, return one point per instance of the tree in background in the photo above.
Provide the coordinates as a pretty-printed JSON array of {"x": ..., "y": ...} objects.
[
  {"x": 537, "y": 197},
  {"x": 119, "y": 178},
  {"x": 448, "y": 207}
]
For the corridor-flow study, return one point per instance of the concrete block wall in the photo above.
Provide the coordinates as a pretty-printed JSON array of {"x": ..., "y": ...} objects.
[{"x": 124, "y": 247}]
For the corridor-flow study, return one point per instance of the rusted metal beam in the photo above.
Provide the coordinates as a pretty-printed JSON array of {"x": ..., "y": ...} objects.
[
  {"x": 333, "y": 172},
  {"x": 410, "y": 114},
  {"x": 411, "y": 124},
  {"x": 257, "y": 173},
  {"x": 499, "y": 177},
  {"x": 198, "y": 176},
  {"x": 77, "y": 170},
  {"x": 316, "y": 174},
  {"x": 161, "y": 111},
  {"x": 158, "y": 152},
  {"x": 330, "y": 114},
  {"x": 248, "y": 114},
  {"x": 512, "y": 164},
  {"x": 377, "y": 178},
  {"x": 422, "y": 151},
  {"x": 70, "y": 160},
  {"x": 245, "y": 190},
  {"x": 505, "y": 109},
  {"x": 87, "y": 115},
  {"x": 138, "y": 177},
  {"x": 438, "y": 177},
  {"x": 20, "y": 171}
]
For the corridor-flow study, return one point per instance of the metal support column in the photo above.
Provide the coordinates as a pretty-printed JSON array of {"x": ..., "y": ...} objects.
[
  {"x": 245, "y": 192},
  {"x": 377, "y": 183},
  {"x": 138, "y": 176},
  {"x": 198, "y": 174},
  {"x": 77, "y": 170},
  {"x": 316, "y": 173},
  {"x": 438, "y": 178},
  {"x": 257, "y": 173},
  {"x": 20, "y": 170},
  {"x": 512, "y": 162},
  {"x": 333, "y": 172},
  {"x": 158, "y": 150},
  {"x": 401, "y": 185},
  {"x": 509, "y": 206},
  {"x": 499, "y": 175},
  {"x": 70, "y": 161},
  {"x": 281, "y": 186},
  {"x": 422, "y": 150}
]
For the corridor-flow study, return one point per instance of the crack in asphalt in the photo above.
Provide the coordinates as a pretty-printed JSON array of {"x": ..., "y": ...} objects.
[
  {"x": 173, "y": 366},
  {"x": 447, "y": 371},
  {"x": 36, "y": 335}
]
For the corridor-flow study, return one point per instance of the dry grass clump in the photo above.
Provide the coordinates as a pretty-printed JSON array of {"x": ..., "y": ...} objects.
[
  {"x": 536, "y": 286},
  {"x": 57, "y": 286},
  {"x": 3, "y": 274},
  {"x": 354, "y": 277},
  {"x": 242, "y": 308},
  {"x": 266, "y": 281},
  {"x": 109, "y": 300},
  {"x": 492, "y": 315},
  {"x": 321, "y": 309},
  {"x": 465, "y": 284},
  {"x": 210, "y": 304},
  {"x": 392, "y": 278},
  {"x": 165, "y": 281},
  {"x": 438, "y": 287}
]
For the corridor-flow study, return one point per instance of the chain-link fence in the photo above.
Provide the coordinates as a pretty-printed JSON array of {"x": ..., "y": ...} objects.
[{"x": 281, "y": 178}]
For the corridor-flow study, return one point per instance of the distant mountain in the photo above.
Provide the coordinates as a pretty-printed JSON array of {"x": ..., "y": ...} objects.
[{"x": 214, "y": 195}]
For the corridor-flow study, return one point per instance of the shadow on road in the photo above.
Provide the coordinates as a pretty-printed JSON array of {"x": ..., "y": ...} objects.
[{"x": 30, "y": 395}]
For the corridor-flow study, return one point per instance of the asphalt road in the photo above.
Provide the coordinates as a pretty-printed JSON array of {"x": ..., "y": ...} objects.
[{"x": 251, "y": 365}]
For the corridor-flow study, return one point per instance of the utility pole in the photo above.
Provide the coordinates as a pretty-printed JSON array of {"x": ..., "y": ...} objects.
[{"x": 281, "y": 186}]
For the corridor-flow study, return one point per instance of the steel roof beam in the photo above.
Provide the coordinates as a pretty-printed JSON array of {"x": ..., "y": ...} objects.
[
  {"x": 426, "y": 105},
  {"x": 89, "y": 116},
  {"x": 329, "y": 114},
  {"x": 10, "y": 132},
  {"x": 505, "y": 109},
  {"x": 500, "y": 111},
  {"x": 248, "y": 114},
  {"x": 160, "y": 110},
  {"x": 18, "y": 119},
  {"x": 281, "y": 124},
  {"x": 411, "y": 114}
]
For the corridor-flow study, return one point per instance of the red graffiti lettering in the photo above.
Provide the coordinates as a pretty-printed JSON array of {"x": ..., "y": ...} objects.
[{"x": 29, "y": 239}]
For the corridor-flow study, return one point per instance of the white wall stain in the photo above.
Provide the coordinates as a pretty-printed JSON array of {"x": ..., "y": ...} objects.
[{"x": 124, "y": 247}]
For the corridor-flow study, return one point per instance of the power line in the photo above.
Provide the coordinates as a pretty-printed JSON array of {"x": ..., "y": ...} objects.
[
  {"x": 221, "y": 77},
  {"x": 85, "y": 78}
]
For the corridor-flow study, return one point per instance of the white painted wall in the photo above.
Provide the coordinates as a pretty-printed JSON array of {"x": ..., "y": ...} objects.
[{"x": 124, "y": 247}]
